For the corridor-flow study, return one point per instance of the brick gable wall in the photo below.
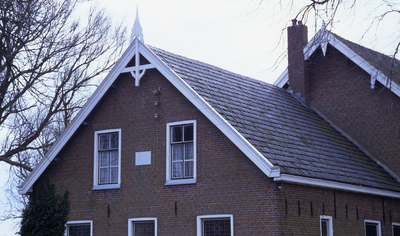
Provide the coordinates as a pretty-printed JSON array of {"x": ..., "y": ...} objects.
[
  {"x": 341, "y": 91},
  {"x": 227, "y": 181}
]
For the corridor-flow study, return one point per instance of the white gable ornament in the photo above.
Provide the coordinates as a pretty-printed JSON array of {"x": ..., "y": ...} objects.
[{"x": 137, "y": 38}]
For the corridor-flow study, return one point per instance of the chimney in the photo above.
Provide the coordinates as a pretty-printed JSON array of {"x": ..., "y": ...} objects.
[{"x": 298, "y": 80}]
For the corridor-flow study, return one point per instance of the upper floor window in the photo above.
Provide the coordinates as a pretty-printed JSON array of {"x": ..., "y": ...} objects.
[
  {"x": 181, "y": 152},
  {"x": 107, "y": 168},
  {"x": 372, "y": 228},
  {"x": 79, "y": 228}
]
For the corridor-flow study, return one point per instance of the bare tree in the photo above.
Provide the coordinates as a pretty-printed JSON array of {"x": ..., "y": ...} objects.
[{"x": 48, "y": 58}]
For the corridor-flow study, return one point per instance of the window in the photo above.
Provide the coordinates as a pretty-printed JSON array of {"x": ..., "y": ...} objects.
[
  {"x": 372, "y": 228},
  {"x": 79, "y": 228},
  {"x": 326, "y": 226},
  {"x": 107, "y": 159},
  {"x": 181, "y": 152},
  {"x": 396, "y": 229},
  {"x": 146, "y": 226},
  {"x": 215, "y": 225}
]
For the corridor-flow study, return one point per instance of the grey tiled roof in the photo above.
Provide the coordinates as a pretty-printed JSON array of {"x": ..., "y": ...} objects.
[
  {"x": 287, "y": 133},
  {"x": 386, "y": 64}
]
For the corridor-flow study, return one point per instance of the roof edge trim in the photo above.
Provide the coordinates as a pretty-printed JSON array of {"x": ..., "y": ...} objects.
[
  {"x": 223, "y": 125},
  {"x": 336, "y": 185},
  {"x": 321, "y": 39},
  {"x": 77, "y": 121}
]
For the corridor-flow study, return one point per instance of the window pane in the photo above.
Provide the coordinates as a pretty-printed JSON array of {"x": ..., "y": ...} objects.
[
  {"x": 188, "y": 133},
  {"x": 103, "y": 145},
  {"x": 177, "y": 170},
  {"x": 217, "y": 227},
  {"x": 177, "y": 152},
  {"x": 324, "y": 227},
  {"x": 189, "y": 151},
  {"x": 114, "y": 158},
  {"x": 104, "y": 175},
  {"x": 114, "y": 141},
  {"x": 104, "y": 159},
  {"x": 145, "y": 228},
  {"x": 396, "y": 230},
  {"x": 188, "y": 169},
  {"x": 176, "y": 132},
  {"x": 371, "y": 229},
  {"x": 79, "y": 230},
  {"x": 114, "y": 175}
]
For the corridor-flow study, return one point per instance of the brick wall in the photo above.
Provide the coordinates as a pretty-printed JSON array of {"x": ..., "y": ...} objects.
[
  {"x": 341, "y": 91},
  {"x": 302, "y": 206},
  {"x": 227, "y": 181}
]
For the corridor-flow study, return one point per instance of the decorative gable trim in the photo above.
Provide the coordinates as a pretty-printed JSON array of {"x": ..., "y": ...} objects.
[
  {"x": 335, "y": 185},
  {"x": 321, "y": 39},
  {"x": 138, "y": 48}
]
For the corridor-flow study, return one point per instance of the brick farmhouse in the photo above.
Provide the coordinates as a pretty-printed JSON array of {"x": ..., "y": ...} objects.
[{"x": 168, "y": 145}]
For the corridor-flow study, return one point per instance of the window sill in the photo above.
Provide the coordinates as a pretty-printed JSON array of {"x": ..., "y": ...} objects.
[
  {"x": 106, "y": 186},
  {"x": 180, "y": 181}
]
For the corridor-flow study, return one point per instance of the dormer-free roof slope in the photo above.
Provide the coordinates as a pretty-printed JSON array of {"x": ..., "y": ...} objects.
[{"x": 290, "y": 135}]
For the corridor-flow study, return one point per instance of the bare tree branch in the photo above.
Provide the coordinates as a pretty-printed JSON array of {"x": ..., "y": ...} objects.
[{"x": 47, "y": 59}]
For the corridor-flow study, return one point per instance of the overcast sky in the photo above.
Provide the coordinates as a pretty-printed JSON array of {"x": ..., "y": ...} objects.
[{"x": 243, "y": 36}]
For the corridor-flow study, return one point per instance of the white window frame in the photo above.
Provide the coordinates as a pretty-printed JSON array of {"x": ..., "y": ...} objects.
[
  {"x": 394, "y": 224},
  {"x": 76, "y": 222},
  {"x": 202, "y": 217},
  {"x": 132, "y": 220},
  {"x": 330, "y": 224},
  {"x": 169, "y": 180},
  {"x": 377, "y": 222},
  {"x": 96, "y": 185}
]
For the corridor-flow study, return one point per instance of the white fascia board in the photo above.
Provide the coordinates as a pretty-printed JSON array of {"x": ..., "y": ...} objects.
[
  {"x": 282, "y": 79},
  {"x": 321, "y": 38},
  {"x": 336, "y": 185},
  {"x": 226, "y": 128},
  {"x": 77, "y": 121}
]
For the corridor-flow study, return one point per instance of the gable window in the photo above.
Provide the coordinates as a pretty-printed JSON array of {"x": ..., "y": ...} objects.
[
  {"x": 396, "y": 229},
  {"x": 79, "y": 228},
  {"x": 372, "y": 228},
  {"x": 146, "y": 226},
  {"x": 326, "y": 226},
  {"x": 181, "y": 152},
  {"x": 107, "y": 159},
  {"x": 215, "y": 225}
]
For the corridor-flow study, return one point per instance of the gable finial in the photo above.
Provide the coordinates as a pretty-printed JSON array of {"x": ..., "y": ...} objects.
[
  {"x": 137, "y": 28},
  {"x": 323, "y": 27}
]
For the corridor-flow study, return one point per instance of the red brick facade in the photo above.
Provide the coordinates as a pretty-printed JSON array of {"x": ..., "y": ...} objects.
[
  {"x": 342, "y": 92},
  {"x": 302, "y": 206},
  {"x": 227, "y": 181}
]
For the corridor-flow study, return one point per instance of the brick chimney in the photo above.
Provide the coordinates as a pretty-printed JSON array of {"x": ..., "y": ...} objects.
[{"x": 298, "y": 79}]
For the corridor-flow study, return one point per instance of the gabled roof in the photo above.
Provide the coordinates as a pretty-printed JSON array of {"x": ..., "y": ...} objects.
[
  {"x": 382, "y": 68},
  {"x": 285, "y": 139}
]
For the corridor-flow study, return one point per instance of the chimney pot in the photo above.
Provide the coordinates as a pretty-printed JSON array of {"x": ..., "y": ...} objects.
[{"x": 294, "y": 22}]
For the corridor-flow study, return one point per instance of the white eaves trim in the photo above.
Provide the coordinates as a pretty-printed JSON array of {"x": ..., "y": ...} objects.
[
  {"x": 248, "y": 149},
  {"x": 335, "y": 185},
  {"x": 321, "y": 39},
  {"x": 282, "y": 79}
]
